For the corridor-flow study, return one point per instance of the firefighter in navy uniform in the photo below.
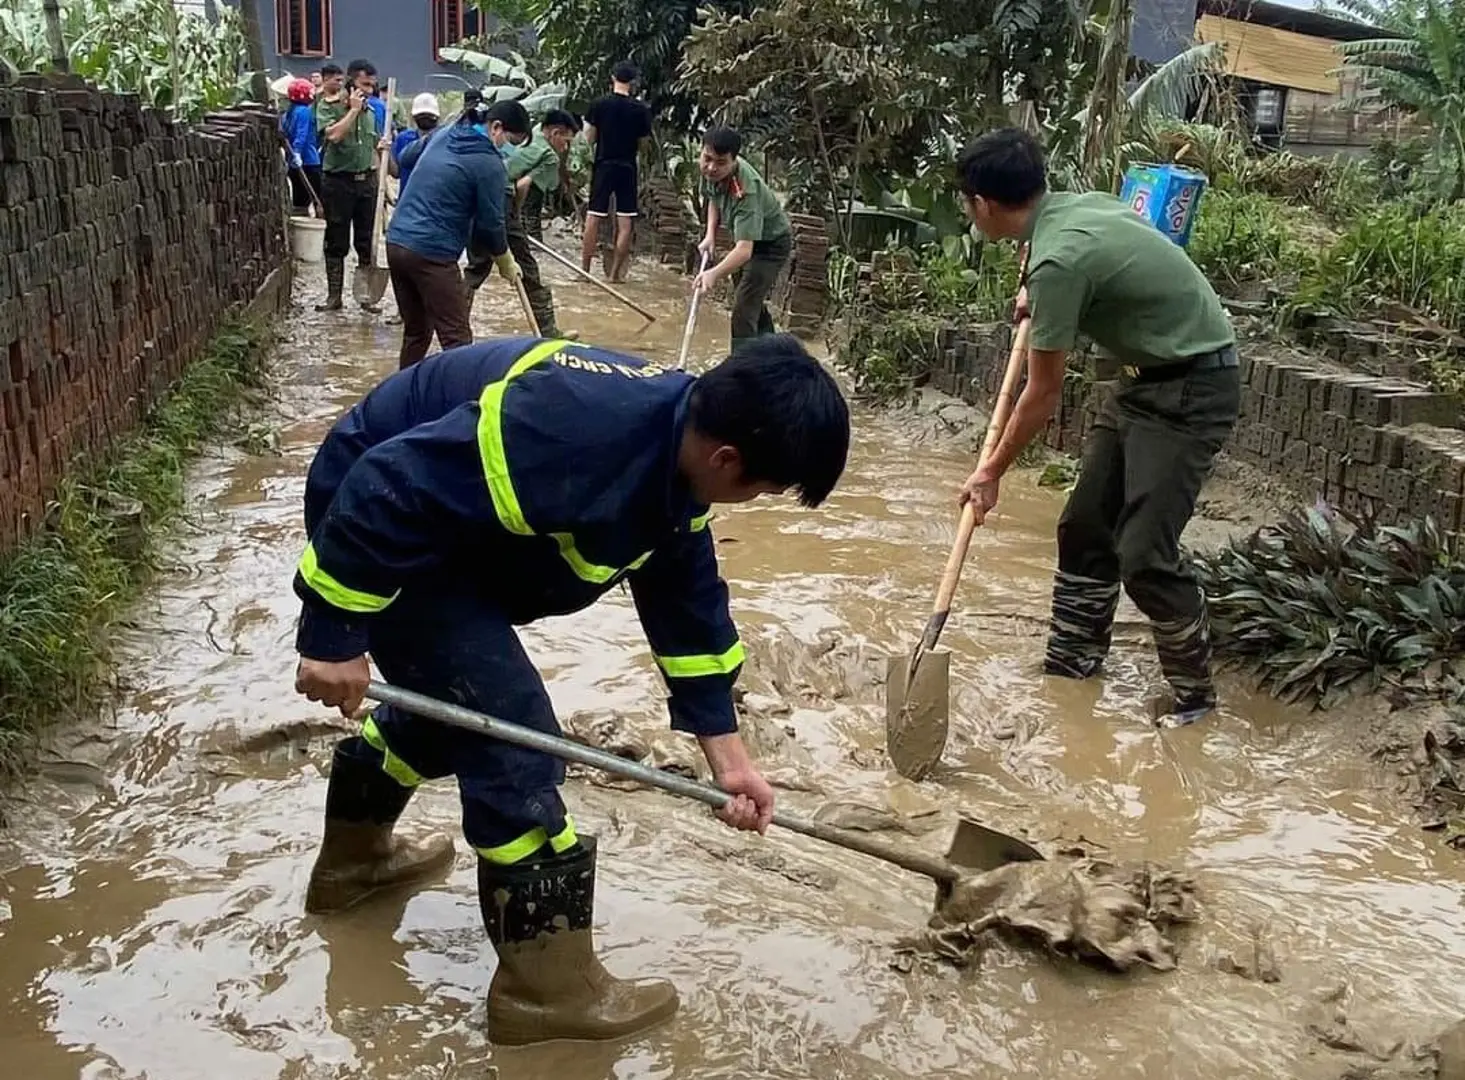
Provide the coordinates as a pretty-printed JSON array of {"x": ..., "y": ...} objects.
[{"x": 489, "y": 486}]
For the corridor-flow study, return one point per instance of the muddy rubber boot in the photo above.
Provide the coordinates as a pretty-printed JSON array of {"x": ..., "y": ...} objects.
[
  {"x": 358, "y": 853},
  {"x": 1184, "y": 648},
  {"x": 335, "y": 280},
  {"x": 549, "y": 983},
  {"x": 1081, "y": 625}
]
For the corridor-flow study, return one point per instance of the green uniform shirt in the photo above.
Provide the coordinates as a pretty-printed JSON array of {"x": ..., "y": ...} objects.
[
  {"x": 1097, "y": 268},
  {"x": 746, "y": 206},
  {"x": 537, "y": 160},
  {"x": 356, "y": 152}
]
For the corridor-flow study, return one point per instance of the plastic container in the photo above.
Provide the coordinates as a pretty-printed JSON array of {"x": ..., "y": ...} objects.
[
  {"x": 1167, "y": 196},
  {"x": 308, "y": 239}
]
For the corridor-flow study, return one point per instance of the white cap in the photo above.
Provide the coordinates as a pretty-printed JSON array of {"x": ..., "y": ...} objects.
[{"x": 425, "y": 105}]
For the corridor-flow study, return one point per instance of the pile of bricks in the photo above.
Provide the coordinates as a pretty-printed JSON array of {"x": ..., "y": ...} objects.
[
  {"x": 124, "y": 240},
  {"x": 662, "y": 230},
  {"x": 806, "y": 286},
  {"x": 1365, "y": 443}
]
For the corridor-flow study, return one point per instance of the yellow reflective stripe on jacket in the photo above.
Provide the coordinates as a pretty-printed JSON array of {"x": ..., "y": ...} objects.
[
  {"x": 392, "y": 765},
  {"x": 691, "y": 667},
  {"x": 586, "y": 570},
  {"x": 491, "y": 439},
  {"x": 334, "y": 593},
  {"x": 501, "y": 485},
  {"x": 519, "y": 849},
  {"x": 698, "y": 523}
]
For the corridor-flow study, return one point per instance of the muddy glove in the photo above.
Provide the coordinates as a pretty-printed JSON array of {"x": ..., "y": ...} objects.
[{"x": 507, "y": 266}]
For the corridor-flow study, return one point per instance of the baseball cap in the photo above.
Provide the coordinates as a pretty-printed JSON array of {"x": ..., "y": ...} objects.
[{"x": 425, "y": 105}]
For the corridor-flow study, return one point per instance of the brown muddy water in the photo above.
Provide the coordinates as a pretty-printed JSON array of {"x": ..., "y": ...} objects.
[{"x": 151, "y": 919}]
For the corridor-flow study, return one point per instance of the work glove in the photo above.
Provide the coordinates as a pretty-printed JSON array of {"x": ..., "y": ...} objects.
[
  {"x": 295, "y": 162},
  {"x": 506, "y": 265}
]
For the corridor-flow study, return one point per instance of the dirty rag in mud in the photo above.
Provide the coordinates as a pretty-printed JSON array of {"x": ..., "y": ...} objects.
[{"x": 1108, "y": 914}]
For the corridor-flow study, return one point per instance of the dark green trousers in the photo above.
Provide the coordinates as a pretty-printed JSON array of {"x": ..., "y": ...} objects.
[
  {"x": 522, "y": 223},
  {"x": 755, "y": 281},
  {"x": 1151, "y": 449}
]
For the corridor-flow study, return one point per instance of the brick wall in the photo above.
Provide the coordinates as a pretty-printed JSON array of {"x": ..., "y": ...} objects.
[
  {"x": 124, "y": 240},
  {"x": 1363, "y": 442}
]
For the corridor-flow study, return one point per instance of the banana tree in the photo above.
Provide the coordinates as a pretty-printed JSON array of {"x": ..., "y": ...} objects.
[{"x": 1419, "y": 68}]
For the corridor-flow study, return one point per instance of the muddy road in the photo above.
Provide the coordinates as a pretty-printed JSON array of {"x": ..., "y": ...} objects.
[{"x": 151, "y": 885}]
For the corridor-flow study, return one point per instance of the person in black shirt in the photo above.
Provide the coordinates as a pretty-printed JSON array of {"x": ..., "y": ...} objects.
[{"x": 615, "y": 125}]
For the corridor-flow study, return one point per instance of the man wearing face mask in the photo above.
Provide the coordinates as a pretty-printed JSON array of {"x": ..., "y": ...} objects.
[
  {"x": 425, "y": 113},
  {"x": 457, "y": 197},
  {"x": 492, "y": 486}
]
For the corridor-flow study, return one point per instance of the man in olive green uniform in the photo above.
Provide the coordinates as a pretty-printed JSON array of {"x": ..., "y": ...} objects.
[
  {"x": 738, "y": 198},
  {"x": 1096, "y": 269},
  {"x": 534, "y": 171},
  {"x": 349, "y": 138}
]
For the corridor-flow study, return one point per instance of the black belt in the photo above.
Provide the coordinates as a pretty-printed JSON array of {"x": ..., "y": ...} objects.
[
  {"x": 357, "y": 176},
  {"x": 1191, "y": 365}
]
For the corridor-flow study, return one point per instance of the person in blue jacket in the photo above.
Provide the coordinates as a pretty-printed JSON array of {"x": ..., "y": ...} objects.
[
  {"x": 458, "y": 192},
  {"x": 298, "y": 127},
  {"x": 491, "y": 486}
]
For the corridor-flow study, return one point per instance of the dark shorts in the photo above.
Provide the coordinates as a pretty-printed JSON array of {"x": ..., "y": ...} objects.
[{"x": 613, "y": 180}]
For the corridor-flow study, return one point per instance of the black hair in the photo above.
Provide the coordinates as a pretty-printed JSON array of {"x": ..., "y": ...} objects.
[
  {"x": 782, "y": 411},
  {"x": 513, "y": 116},
  {"x": 624, "y": 72},
  {"x": 723, "y": 141},
  {"x": 330, "y": 68},
  {"x": 356, "y": 66},
  {"x": 560, "y": 118},
  {"x": 1005, "y": 166}
]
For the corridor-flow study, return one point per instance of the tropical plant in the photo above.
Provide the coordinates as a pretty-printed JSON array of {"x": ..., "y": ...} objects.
[
  {"x": 1240, "y": 238},
  {"x": 169, "y": 57},
  {"x": 1394, "y": 256},
  {"x": 1322, "y": 605},
  {"x": 507, "y": 78},
  {"x": 1418, "y": 67}
]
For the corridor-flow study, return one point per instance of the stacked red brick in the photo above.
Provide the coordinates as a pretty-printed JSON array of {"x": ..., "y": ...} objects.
[
  {"x": 124, "y": 240},
  {"x": 1363, "y": 442}
]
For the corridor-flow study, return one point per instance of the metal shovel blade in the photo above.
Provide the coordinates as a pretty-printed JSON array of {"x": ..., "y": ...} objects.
[
  {"x": 917, "y": 709},
  {"x": 978, "y": 848},
  {"x": 369, "y": 284}
]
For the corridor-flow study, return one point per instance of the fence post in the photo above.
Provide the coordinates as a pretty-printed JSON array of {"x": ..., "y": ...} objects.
[{"x": 60, "y": 61}]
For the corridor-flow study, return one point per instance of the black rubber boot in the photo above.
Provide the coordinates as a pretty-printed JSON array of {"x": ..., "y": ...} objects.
[
  {"x": 549, "y": 983},
  {"x": 335, "y": 281},
  {"x": 1081, "y": 625},
  {"x": 358, "y": 853},
  {"x": 1184, "y": 648}
]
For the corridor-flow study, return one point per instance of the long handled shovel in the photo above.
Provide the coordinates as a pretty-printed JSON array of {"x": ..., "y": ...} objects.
[
  {"x": 691, "y": 319},
  {"x": 602, "y": 286},
  {"x": 528, "y": 307},
  {"x": 369, "y": 282},
  {"x": 917, "y": 690},
  {"x": 974, "y": 848}
]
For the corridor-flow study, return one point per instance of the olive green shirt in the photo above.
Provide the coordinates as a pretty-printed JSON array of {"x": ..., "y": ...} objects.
[
  {"x": 746, "y": 206},
  {"x": 356, "y": 153},
  {"x": 1098, "y": 269},
  {"x": 537, "y": 160}
]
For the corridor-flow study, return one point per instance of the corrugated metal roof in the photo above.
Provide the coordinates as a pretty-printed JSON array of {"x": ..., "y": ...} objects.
[{"x": 1277, "y": 57}]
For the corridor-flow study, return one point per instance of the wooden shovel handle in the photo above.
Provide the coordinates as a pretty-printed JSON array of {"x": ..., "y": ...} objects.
[{"x": 1001, "y": 411}]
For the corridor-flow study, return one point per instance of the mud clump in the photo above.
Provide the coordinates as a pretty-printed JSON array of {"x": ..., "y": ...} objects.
[
  {"x": 1110, "y": 915},
  {"x": 1440, "y": 1058}
]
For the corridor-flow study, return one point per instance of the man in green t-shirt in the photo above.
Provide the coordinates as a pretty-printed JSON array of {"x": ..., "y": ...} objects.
[
  {"x": 1096, "y": 269},
  {"x": 534, "y": 171},
  {"x": 738, "y": 199},
  {"x": 349, "y": 142}
]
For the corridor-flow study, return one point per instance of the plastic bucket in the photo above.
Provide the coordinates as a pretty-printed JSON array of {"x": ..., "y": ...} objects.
[{"x": 307, "y": 239}]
